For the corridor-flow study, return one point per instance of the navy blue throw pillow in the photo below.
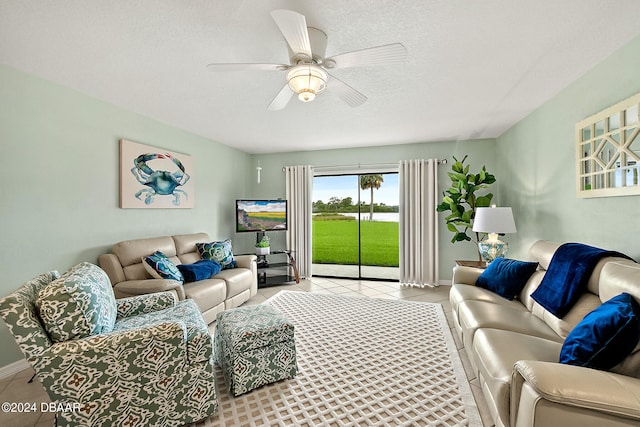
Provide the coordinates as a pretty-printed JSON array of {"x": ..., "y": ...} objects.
[
  {"x": 506, "y": 277},
  {"x": 606, "y": 336},
  {"x": 199, "y": 270}
]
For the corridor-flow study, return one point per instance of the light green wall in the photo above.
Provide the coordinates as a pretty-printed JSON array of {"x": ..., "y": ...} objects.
[
  {"x": 60, "y": 182},
  {"x": 481, "y": 152},
  {"x": 59, "y": 192},
  {"x": 536, "y": 164}
]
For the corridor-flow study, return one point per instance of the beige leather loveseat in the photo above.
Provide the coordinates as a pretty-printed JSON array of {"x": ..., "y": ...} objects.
[
  {"x": 225, "y": 290},
  {"x": 514, "y": 349}
]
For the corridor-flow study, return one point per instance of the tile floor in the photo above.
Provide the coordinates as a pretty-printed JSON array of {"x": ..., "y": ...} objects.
[{"x": 17, "y": 389}]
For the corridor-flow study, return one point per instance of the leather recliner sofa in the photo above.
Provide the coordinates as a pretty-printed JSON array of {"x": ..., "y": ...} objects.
[
  {"x": 514, "y": 348},
  {"x": 227, "y": 289}
]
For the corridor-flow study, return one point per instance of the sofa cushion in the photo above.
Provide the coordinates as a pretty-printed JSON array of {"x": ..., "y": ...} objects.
[
  {"x": 460, "y": 293},
  {"x": 474, "y": 315},
  {"x": 221, "y": 252},
  {"x": 238, "y": 280},
  {"x": 506, "y": 277},
  {"x": 606, "y": 336},
  {"x": 186, "y": 243},
  {"x": 563, "y": 326},
  {"x": 199, "y": 341},
  {"x": 207, "y": 294},
  {"x": 129, "y": 252},
  {"x": 160, "y": 267},
  {"x": 78, "y": 304}
]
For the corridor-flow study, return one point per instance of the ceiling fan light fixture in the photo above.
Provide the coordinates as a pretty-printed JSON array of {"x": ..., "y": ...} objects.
[{"x": 307, "y": 81}]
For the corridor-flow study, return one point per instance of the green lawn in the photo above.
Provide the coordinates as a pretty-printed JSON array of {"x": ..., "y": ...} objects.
[{"x": 336, "y": 242}]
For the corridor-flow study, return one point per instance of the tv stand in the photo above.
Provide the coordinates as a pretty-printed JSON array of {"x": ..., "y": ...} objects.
[{"x": 277, "y": 273}]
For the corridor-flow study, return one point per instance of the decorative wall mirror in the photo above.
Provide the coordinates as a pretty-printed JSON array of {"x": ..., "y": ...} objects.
[{"x": 608, "y": 151}]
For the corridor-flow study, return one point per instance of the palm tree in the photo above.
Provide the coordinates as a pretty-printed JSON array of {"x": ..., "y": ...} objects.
[{"x": 372, "y": 182}]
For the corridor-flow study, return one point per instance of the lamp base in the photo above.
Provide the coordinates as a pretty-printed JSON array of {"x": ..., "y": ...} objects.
[{"x": 492, "y": 249}]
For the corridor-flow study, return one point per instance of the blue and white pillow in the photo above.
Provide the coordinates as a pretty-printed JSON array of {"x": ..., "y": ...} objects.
[
  {"x": 220, "y": 252},
  {"x": 160, "y": 267}
]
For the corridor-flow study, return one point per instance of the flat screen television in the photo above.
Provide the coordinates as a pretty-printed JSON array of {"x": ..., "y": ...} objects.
[{"x": 261, "y": 215}]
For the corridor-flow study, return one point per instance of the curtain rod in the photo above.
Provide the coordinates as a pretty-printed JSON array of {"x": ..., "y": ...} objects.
[{"x": 359, "y": 165}]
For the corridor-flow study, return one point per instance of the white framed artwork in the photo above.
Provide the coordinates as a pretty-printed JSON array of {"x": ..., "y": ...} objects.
[
  {"x": 608, "y": 151},
  {"x": 151, "y": 177}
]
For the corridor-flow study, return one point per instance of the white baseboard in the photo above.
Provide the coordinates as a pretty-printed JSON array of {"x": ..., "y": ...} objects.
[{"x": 13, "y": 368}]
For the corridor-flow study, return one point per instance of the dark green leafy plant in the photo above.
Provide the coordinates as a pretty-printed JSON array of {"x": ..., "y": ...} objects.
[
  {"x": 263, "y": 243},
  {"x": 461, "y": 199}
]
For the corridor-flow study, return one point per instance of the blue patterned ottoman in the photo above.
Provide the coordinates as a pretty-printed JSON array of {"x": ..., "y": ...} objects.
[{"x": 254, "y": 346}]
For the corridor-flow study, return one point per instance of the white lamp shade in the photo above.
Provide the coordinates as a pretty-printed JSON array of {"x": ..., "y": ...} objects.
[{"x": 494, "y": 220}]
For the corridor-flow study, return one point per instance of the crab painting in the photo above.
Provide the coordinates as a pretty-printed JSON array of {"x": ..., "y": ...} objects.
[{"x": 160, "y": 182}]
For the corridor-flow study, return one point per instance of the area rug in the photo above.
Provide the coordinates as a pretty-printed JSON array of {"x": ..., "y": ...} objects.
[{"x": 362, "y": 362}]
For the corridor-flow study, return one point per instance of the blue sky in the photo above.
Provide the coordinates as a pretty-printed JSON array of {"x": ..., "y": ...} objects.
[{"x": 326, "y": 187}]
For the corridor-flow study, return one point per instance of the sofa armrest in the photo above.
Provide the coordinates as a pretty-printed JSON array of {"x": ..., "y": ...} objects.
[
  {"x": 112, "y": 360},
  {"x": 148, "y": 286},
  {"x": 250, "y": 262},
  {"x": 611, "y": 395},
  {"x": 111, "y": 265},
  {"x": 465, "y": 275},
  {"x": 143, "y": 304},
  {"x": 246, "y": 261}
]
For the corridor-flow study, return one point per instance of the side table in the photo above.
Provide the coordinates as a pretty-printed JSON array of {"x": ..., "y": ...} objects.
[
  {"x": 292, "y": 262},
  {"x": 277, "y": 273},
  {"x": 475, "y": 264}
]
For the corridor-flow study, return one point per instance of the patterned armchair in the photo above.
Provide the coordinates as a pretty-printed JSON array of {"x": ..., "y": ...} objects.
[{"x": 137, "y": 361}]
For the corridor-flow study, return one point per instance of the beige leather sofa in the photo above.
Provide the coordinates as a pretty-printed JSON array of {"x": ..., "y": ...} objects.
[
  {"x": 225, "y": 290},
  {"x": 514, "y": 348}
]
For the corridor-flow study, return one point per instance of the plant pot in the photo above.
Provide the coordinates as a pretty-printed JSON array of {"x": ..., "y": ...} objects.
[{"x": 263, "y": 251}]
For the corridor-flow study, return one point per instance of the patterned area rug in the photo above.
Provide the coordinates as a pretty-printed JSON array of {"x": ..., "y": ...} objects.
[{"x": 362, "y": 362}]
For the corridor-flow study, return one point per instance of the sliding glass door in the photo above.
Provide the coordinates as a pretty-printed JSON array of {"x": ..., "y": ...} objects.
[{"x": 355, "y": 226}]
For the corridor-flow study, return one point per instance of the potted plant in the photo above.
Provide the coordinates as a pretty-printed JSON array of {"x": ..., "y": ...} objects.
[
  {"x": 462, "y": 201},
  {"x": 262, "y": 247}
]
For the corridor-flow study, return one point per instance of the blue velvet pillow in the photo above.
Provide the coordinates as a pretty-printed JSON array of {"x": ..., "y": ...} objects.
[
  {"x": 163, "y": 266},
  {"x": 200, "y": 270},
  {"x": 606, "y": 336},
  {"x": 506, "y": 277}
]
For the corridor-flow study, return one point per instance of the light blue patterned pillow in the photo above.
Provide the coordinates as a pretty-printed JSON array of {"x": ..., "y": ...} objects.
[
  {"x": 163, "y": 266},
  {"x": 78, "y": 304},
  {"x": 220, "y": 252}
]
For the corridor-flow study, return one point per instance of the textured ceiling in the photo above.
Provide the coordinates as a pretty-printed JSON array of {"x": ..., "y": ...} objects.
[{"x": 474, "y": 68}]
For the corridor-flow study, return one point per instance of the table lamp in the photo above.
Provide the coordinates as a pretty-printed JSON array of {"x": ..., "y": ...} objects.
[{"x": 493, "y": 221}]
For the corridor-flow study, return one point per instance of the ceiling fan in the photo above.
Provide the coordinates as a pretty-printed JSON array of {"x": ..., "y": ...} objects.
[{"x": 307, "y": 73}]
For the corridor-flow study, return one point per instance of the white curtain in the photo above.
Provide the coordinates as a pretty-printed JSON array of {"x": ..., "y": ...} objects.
[
  {"x": 418, "y": 222},
  {"x": 299, "y": 183}
]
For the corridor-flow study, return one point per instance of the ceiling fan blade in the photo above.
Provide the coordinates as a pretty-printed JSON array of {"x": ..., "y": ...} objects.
[
  {"x": 385, "y": 54},
  {"x": 247, "y": 67},
  {"x": 293, "y": 27},
  {"x": 348, "y": 94},
  {"x": 282, "y": 99}
]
